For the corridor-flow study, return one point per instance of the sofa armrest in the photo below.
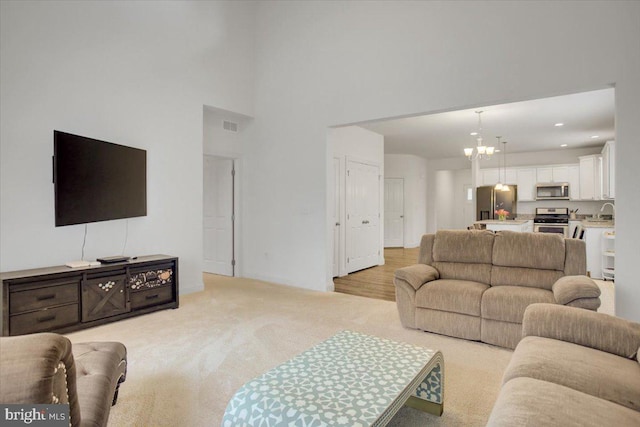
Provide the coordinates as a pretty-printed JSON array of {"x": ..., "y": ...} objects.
[
  {"x": 417, "y": 275},
  {"x": 583, "y": 327},
  {"x": 570, "y": 288},
  {"x": 38, "y": 369}
]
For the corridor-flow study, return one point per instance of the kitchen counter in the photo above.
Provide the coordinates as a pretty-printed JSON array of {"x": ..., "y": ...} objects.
[
  {"x": 506, "y": 221},
  {"x": 597, "y": 224},
  {"x": 520, "y": 225}
]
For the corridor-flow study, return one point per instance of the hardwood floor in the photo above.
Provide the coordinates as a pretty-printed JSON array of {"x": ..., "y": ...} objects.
[{"x": 377, "y": 282}]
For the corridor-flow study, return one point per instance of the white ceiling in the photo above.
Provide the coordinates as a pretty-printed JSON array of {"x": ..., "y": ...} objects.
[{"x": 526, "y": 126}]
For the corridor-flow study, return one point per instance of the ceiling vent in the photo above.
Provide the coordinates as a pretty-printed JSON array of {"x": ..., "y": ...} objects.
[{"x": 230, "y": 126}]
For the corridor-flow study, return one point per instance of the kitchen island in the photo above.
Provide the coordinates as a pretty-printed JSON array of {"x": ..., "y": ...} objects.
[{"x": 520, "y": 225}]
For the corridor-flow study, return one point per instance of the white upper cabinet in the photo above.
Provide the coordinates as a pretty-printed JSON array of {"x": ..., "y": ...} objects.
[
  {"x": 560, "y": 174},
  {"x": 574, "y": 182},
  {"x": 544, "y": 174},
  {"x": 526, "y": 182},
  {"x": 489, "y": 176},
  {"x": 548, "y": 174},
  {"x": 590, "y": 177},
  {"x": 512, "y": 176},
  {"x": 608, "y": 170}
]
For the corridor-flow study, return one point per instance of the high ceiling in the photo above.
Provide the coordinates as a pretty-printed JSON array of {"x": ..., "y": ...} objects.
[{"x": 588, "y": 119}]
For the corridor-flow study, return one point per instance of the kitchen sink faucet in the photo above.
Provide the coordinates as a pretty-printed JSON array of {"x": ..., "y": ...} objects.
[{"x": 612, "y": 207}]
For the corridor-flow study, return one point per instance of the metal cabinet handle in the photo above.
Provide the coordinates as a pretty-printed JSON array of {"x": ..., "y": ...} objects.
[
  {"x": 337, "y": 224},
  {"x": 46, "y": 318},
  {"x": 45, "y": 297},
  {"x": 148, "y": 297},
  {"x": 365, "y": 222}
]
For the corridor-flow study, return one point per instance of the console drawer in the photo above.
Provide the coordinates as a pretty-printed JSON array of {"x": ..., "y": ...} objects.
[
  {"x": 48, "y": 296},
  {"x": 44, "y": 320},
  {"x": 149, "y": 279},
  {"x": 151, "y": 297}
]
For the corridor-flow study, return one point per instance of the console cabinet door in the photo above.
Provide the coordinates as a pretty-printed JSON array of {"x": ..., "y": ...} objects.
[{"x": 104, "y": 297}]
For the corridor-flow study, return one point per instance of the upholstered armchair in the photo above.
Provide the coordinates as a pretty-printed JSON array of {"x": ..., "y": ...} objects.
[{"x": 46, "y": 369}]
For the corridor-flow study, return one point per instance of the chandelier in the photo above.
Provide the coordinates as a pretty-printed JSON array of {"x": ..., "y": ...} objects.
[{"x": 481, "y": 151}]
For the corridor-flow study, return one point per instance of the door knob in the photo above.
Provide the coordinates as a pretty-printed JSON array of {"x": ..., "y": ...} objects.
[
  {"x": 401, "y": 216},
  {"x": 337, "y": 224}
]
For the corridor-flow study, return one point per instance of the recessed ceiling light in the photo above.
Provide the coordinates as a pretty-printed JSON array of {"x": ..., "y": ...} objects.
[
  {"x": 563, "y": 145},
  {"x": 559, "y": 124},
  {"x": 496, "y": 151},
  {"x": 595, "y": 136},
  {"x": 473, "y": 133}
]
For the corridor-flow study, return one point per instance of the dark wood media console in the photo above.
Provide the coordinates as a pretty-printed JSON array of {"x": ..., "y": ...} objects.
[{"x": 62, "y": 299}]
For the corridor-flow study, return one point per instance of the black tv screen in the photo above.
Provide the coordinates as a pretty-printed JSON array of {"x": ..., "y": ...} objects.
[{"x": 97, "y": 180}]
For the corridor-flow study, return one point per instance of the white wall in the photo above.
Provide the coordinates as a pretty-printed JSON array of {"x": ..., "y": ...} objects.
[
  {"x": 329, "y": 63},
  {"x": 216, "y": 140},
  {"x": 359, "y": 144},
  {"x": 298, "y": 68},
  {"x": 413, "y": 170},
  {"x": 135, "y": 73}
]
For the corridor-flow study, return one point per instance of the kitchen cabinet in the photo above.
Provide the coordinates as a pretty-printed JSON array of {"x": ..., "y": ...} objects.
[
  {"x": 512, "y": 176},
  {"x": 544, "y": 174},
  {"x": 552, "y": 174},
  {"x": 528, "y": 228},
  {"x": 574, "y": 182},
  {"x": 591, "y": 177},
  {"x": 526, "y": 182},
  {"x": 489, "y": 176},
  {"x": 608, "y": 170},
  {"x": 593, "y": 238}
]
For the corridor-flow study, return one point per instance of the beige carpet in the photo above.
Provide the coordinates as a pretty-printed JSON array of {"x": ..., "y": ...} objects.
[{"x": 185, "y": 364}]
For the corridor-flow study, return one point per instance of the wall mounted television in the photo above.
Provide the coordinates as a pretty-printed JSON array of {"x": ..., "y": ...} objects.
[{"x": 97, "y": 180}]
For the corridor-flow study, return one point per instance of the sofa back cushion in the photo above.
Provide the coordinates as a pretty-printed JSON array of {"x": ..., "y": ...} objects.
[
  {"x": 463, "y": 254},
  {"x": 527, "y": 259}
]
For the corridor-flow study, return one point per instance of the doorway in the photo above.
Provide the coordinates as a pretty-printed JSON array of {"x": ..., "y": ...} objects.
[
  {"x": 219, "y": 215},
  {"x": 393, "y": 212}
]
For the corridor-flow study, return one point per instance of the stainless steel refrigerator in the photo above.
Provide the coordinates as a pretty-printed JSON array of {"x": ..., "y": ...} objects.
[{"x": 488, "y": 200}]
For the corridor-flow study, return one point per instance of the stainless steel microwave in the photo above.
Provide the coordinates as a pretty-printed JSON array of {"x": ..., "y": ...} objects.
[{"x": 552, "y": 191}]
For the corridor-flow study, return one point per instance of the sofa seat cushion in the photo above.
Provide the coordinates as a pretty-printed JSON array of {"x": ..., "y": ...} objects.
[
  {"x": 508, "y": 303},
  {"x": 99, "y": 367},
  {"x": 598, "y": 373},
  {"x": 536, "y": 403},
  {"x": 456, "y": 296}
]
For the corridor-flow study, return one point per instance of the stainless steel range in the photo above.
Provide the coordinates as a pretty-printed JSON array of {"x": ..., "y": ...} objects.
[{"x": 552, "y": 220}]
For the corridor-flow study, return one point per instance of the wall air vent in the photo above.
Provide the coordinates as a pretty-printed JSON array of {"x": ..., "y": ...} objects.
[{"x": 230, "y": 126}]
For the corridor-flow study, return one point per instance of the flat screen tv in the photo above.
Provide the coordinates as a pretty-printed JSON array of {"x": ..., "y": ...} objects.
[{"x": 97, "y": 180}]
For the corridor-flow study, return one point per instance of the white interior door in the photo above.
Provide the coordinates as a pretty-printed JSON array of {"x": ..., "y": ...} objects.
[
  {"x": 336, "y": 218},
  {"x": 393, "y": 212},
  {"x": 218, "y": 215},
  {"x": 363, "y": 215}
]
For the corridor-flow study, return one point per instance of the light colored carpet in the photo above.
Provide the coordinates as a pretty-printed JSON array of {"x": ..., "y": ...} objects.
[{"x": 185, "y": 364}]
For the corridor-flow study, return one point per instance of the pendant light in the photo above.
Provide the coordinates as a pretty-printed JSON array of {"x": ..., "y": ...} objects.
[
  {"x": 505, "y": 187},
  {"x": 498, "y": 186}
]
